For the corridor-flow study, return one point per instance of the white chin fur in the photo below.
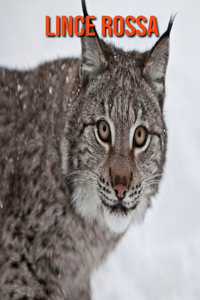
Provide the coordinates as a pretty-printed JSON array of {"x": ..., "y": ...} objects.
[{"x": 117, "y": 223}]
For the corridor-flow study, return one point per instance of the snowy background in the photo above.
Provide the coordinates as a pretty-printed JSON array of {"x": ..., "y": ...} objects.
[{"x": 159, "y": 259}]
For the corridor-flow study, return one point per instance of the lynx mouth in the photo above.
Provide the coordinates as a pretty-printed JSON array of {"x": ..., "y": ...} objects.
[{"x": 120, "y": 207}]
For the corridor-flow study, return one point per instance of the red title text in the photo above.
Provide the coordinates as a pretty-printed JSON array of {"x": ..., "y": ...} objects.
[{"x": 117, "y": 26}]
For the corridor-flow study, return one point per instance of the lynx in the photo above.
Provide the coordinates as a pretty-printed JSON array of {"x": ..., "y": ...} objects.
[{"x": 83, "y": 144}]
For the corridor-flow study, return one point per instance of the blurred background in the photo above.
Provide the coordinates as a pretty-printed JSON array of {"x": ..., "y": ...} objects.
[{"x": 159, "y": 259}]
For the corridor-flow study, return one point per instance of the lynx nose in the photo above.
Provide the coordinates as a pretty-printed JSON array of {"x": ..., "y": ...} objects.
[{"x": 120, "y": 190}]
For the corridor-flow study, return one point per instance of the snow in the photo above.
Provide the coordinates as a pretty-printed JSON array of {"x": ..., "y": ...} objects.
[{"x": 159, "y": 259}]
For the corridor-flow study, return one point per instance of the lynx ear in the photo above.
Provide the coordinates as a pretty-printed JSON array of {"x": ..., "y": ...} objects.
[
  {"x": 156, "y": 65},
  {"x": 93, "y": 61}
]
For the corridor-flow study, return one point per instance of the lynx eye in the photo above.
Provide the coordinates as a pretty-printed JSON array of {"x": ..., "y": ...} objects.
[
  {"x": 104, "y": 131},
  {"x": 140, "y": 136}
]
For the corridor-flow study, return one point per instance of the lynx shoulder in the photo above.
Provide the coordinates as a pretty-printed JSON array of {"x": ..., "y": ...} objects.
[{"x": 83, "y": 146}]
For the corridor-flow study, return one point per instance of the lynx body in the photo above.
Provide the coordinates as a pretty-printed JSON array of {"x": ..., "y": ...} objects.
[{"x": 82, "y": 150}]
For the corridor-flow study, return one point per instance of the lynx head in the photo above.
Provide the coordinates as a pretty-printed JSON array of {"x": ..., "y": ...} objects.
[{"x": 114, "y": 147}]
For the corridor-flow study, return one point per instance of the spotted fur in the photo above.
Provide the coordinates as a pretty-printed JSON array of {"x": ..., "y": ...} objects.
[{"x": 59, "y": 214}]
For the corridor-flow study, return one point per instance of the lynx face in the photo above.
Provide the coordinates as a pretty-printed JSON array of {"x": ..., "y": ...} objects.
[{"x": 114, "y": 146}]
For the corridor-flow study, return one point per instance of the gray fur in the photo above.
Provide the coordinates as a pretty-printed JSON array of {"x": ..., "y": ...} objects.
[{"x": 56, "y": 176}]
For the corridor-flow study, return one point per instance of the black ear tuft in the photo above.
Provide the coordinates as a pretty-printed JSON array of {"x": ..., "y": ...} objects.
[
  {"x": 93, "y": 61},
  {"x": 171, "y": 21},
  {"x": 85, "y": 14},
  {"x": 84, "y": 8},
  {"x": 167, "y": 32}
]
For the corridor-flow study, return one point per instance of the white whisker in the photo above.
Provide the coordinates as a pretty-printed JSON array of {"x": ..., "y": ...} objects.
[
  {"x": 81, "y": 172},
  {"x": 94, "y": 183},
  {"x": 145, "y": 199},
  {"x": 151, "y": 177},
  {"x": 151, "y": 183}
]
